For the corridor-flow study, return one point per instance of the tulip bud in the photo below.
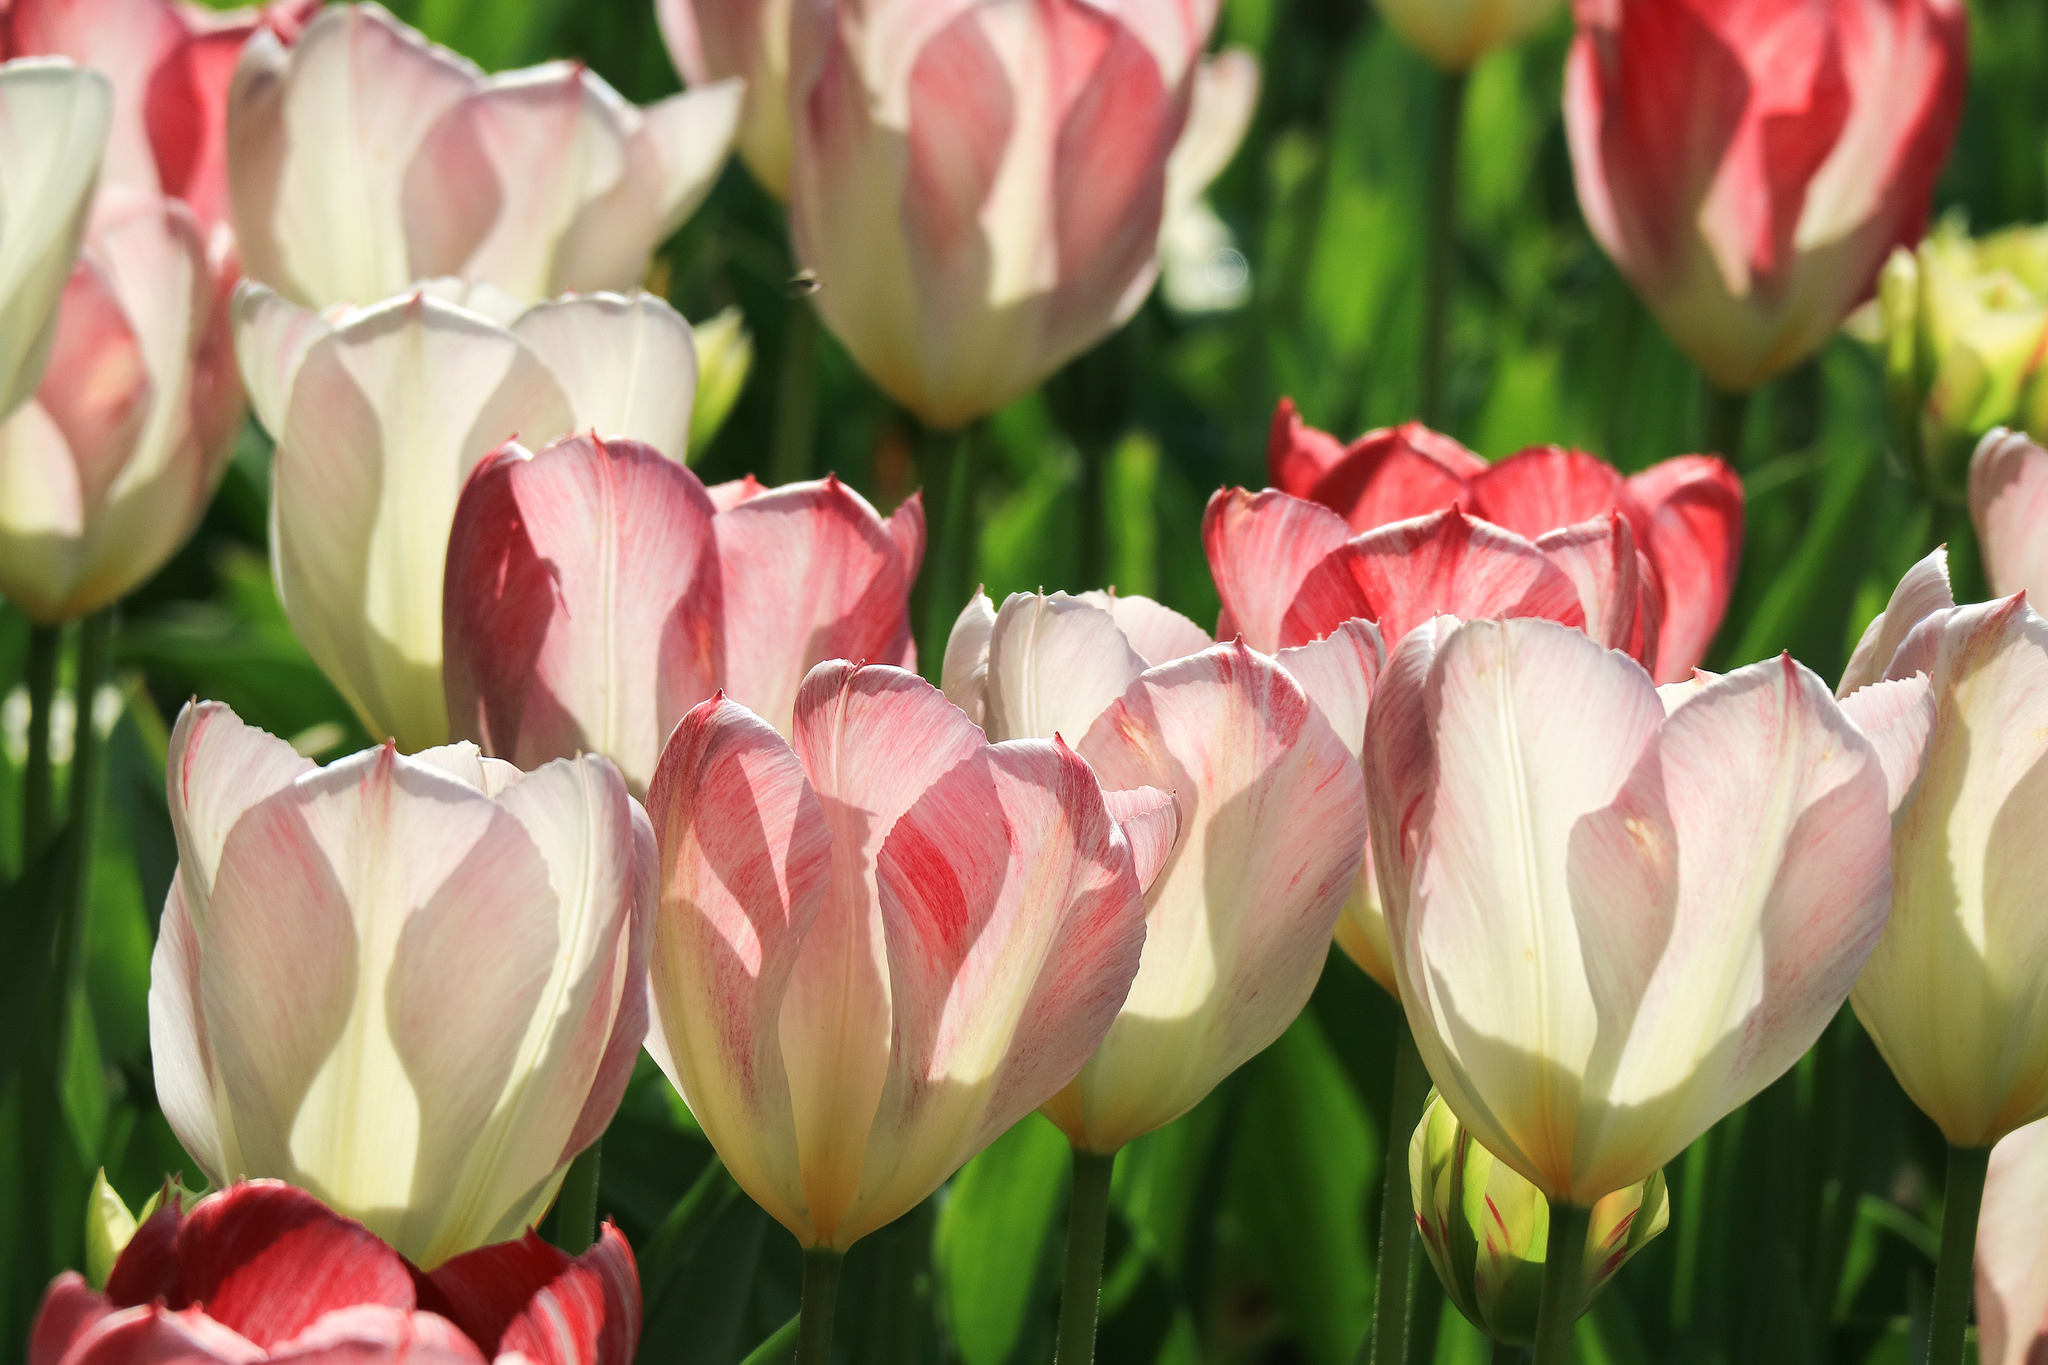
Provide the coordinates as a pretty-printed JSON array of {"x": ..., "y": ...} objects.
[
  {"x": 1487, "y": 1230},
  {"x": 1456, "y": 33},
  {"x": 725, "y": 353},
  {"x": 412, "y": 985}
]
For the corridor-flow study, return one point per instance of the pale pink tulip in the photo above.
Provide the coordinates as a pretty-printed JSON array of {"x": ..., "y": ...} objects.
[
  {"x": 364, "y": 158},
  {"x": 1952, "y": 995},
  {"x": 980, "y": 188},
  {"x": 882, "y": 942},
  {"x": 414, "y": 986},
  {"x": 1749, "y": 164},
  {"x": 1616, "y": 916},
  {"x": 2012, "y": 1254},
  {"x": 713, "y": 40},
  {"x": 2009, "y": 506},
  {"x": 596, "y": 591}
]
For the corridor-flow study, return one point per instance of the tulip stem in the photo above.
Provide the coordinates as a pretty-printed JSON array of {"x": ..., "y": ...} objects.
[
  {"x": 1954, "y": 1273},
  {"x": 1388, "y": 1344},
  {"x": 795, "y": 394},
  {"x": 821, "y": 1296},
  {"x": 88, "y": 773},
  {"x": 38, "y": 786},
  {"x": 946, "y": 468},
  {"x": 775, "y": 1350},
  {"x": 576, "y": 1205},
  {"x": 1724, "y": 419},
  {"x": 1564, "y": 1291},
  {"x": 1441, "y": 246},
  {"x": 1505, "y": 1353},
  {"x": 1087, "y": 1230}
]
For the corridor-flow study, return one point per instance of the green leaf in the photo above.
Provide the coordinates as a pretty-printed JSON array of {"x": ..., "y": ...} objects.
[
  {"x": 82, "y": 1078},
  {"x": 993, "y": 1234}
]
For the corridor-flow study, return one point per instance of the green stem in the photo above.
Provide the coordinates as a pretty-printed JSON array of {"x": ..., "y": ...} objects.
[
  {"x": 947, "y": 472},
  {"x": 682, "y": 1231},
  {"x": 1087, "y": 1229},
  {"x": 1564, "y": 1262},
  {"x": 1723, "y": 418},
  {"x": 576, "y": 1205},
  {"x": 1389, "y": 1341},
  {"x": 1441, "y": 244},
  {"x": 821, "y": 1295},
  {"x": 775, "y": 1349},
  {"x": 1962, "y": 1200},
  {"x": 796, "y": 394},
  {"x": 38, "y": 786},
  {"x": 1505, "y": 1353},
  {"x": 88, "y": 779}
]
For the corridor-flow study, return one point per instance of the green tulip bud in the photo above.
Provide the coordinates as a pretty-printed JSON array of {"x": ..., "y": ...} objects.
[
  {"x": 1486, "y": 1229},
  {"x": 725, "y": 352},
  {"x": 109, "y": 1226}
]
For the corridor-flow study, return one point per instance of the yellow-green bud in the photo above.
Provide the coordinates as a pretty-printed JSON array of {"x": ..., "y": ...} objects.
[
  {"x": 1486, "y": 1229},
  {"x": 725, "y": 352}
]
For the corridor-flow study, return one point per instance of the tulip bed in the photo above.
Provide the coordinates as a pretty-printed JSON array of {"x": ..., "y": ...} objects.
[{"x": 717, "y": 681}]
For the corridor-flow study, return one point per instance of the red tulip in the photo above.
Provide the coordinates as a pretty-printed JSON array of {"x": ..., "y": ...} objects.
[
  {"x": 1749, "y": 164},
  {"x": 265, "y": 1272},
  {"x": 1421, "y": 525},
  {"x": 597, "y": 591}
]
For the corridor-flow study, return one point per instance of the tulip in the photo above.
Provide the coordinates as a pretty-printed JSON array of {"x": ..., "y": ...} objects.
[
  {"x": 597, "y": 591},
  {"x": 380, "y": 414},
  {"x": 884, "y": 941},
  {"x": 108, "y": 469},
  {"x": 1748, "y": 164},
  {"x": 413, "y": 986},
  {"x": 53, "y": 124},
  {"x": 1612, "y": 925},
  {"x": 1951, "y": 995},
  {"x": 170, "y": 65},
  {"x": 2009, "y": 505},
  {"x": 262, "y": 1271},
  {"x": 1486, "y": 1229},
  {"x": 715, "y": 40},
  {"x": 2012, "y": 1257},
  {"x": 1962, "y": 326},
  {"x": 364, "y": 158},
  {"x": 980, "y": 189},
  {"x": 1454, "y": 34},
  {"x": 1684, "y": 519}
]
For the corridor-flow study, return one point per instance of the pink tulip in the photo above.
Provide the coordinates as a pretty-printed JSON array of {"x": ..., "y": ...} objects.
[
  {"x": 2012, "y": 1255},
  {"x": 713, "y": 40},
  {"x": 411, "y": 985},
  {"x": 365, "y": 158},
  {"x": 980, "y": 188},
  {"x": 597, "y": 591},
  {"x": 264, "y": 1272},
  {"x": 170, "y": 64},
  {"x": 1662, "y": 605},
  {"x": 883, "y": 941},
  {"x": 1616, "y": 915},
  {"x": 2009, "y": 505},
  {"x": 1749, "y": 164}
]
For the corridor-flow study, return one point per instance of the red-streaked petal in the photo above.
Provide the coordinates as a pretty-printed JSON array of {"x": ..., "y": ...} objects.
[
  {"x": 69, "y": 1310},
  {"x": 1260, "y": 547},
  {"x": 1617, "y": 588},
  {"x": 1692, "y": 511},
  {"x": 374, "y": 1335},
  {"x": 153, "y": 1335},
  {"x": 1396, "y": 473},
  {"x": 1544, "y": 488},
  {"x": 1298, "y": 455},
  {"x": 1150, "y": 820},
  {"x": 588, "y": 1314},
  {"x": 481, "y": 1291}
]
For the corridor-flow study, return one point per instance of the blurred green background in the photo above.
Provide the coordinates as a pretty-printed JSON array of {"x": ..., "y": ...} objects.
[{"x": 1803, "y": 1227}]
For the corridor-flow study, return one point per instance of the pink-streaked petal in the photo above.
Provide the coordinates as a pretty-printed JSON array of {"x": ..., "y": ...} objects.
[
  {"x": 373, "y": 1335},
  {"x": 730, "y": 494},
  {"x": 1444, "y": 564},
  {"x": 69, "y": 1310},
  {"x": 153, "y": 1335},
  {"x": 1396, "y": 473},
  {"x": 1617, "y": 588},
  {"x": 272, "y": 336},
  {"x": 1150, "y": 820},
  {"x": 1898, "y": 717},
  {"x": 180, "y": 1055},
  {"x": 1923, "y": 591},
  {"x": 1400, "y": 762},
  {"x": 1260, "y": 547},
  {"x": 588, "y": 1314},
  {"x": 745, "y": 853},
  {"x": 217, "y": 768},
  {"x": 2012, "y": 1256},
  {"x": 1691, "y": 529},
  {"x": 628, "y": 365},
  {"x": 809, "y": 573},
  {"x": 2009, "y": 507},
  {"x": 1014, "y": 923},
  {"x": 907, "y": 528},
  {"x": 1055, "y": 663},
  {"x": 1273, "y": 825},
  {"x": 1339, "y": 672},
  {"x": 125, "y": 40},
  {"x": 1544, "y": 488},
  {"x": 97, "y": 389},
  {"x": 964, "y": 674},
  {"x": 1158, "y": 632}
]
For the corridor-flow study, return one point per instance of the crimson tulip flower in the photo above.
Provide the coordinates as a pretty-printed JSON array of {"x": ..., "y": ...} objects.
[
  {"x": 264, "y": 1272},
  {"x": 597, "y": 590},
  {"x": 1749, "y": 164}
]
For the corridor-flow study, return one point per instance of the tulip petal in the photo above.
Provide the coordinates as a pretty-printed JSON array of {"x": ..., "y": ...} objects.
[
  {"x": 1396, "y": 473},
  {"x": 1261, "y": 547},
  {"x": 150, "y": 1335},
  {"x": 1400, "y": 763},
  {"x": 482, "y": 1291},
  {"x": 272, "y": 336},
  {"x": 628, "y": 365},
  {"x": 180, "y": 1055},
  {"x": 1150, "y": 820},
  {"x": 1617, "y": 588},
  {"x": 1692, "y": 510},
  {"x": 2009, "y": 506},
  {"x": 124, "y": 40},
  {"x": 1544, "y": 488},
  {"x": 1158, "y": 632},
  {"x": 1923, "y": 591},
  {"x": 1223, "y": 97},
  {"x": 1054, "y": 664},
  {"x": 1273, "y": 823},
  {"x": 810, "y": 573},
  {"x": 588, "y": 1314},
  {"x": 69, "y": 1310},
  {"x": 1898, "y": 716},
  {"x": 1448, "y": 563},
  {"x": 368, "y": 1333},
  {"x": 2012, "y": 1258},
  {"x": 872, "y": 741},
  {"x": 1297, "y": 454},
  {"x": 217, "y": 768},
  {"x": 745, "y": 856},
  {"x": 1338, "y": 672},
  {"x": 1014, "y": 923},
  {"x": 963, "y": 676}
]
